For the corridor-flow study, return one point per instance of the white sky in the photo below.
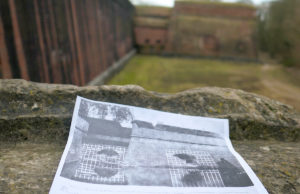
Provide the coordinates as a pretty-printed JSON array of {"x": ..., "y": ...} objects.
[{"x": 170, "y": 3}]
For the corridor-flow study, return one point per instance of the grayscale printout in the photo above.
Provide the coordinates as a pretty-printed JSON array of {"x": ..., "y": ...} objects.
[{"x": 115, "y": 148}]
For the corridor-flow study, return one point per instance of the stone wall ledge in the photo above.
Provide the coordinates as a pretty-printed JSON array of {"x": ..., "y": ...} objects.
[
  {"x": 27, "y": 167},
  {"x": 42, "y": 112}
]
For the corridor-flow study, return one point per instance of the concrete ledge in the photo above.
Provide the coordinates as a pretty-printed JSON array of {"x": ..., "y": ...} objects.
[{"x": 116, "y": 67}]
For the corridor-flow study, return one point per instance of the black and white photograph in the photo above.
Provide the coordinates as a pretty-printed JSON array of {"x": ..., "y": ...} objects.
[{"x": 117, "y": 145}]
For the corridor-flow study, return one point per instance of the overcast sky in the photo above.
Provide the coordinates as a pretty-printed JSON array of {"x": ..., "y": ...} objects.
[{"x": 170, "y": 3}]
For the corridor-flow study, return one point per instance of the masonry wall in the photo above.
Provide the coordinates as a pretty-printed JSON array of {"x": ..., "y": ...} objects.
[
  {"x": 223, "y": 30},
  {"x": 214, "y": 37},
  {"x": 151, "y": 29},
  {"x": 150, "y": 40},
  {"x": 63, "y": 41},
  {"x": 191, "y": 28}
]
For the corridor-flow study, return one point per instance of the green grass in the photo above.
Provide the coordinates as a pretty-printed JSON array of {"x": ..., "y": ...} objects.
[
  {"x": 151, "y": 22},
  {"x": 171, "y": 75},
  {"x": 217, "y": 3},
  {"x": 153, "y": 11}
]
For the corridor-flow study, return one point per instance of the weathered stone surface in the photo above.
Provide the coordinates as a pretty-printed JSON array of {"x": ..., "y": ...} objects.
[
  {"x": 30, "y": 167},
  {"x": 42, "y": 112},
  {"x": 35, "y": 120}
]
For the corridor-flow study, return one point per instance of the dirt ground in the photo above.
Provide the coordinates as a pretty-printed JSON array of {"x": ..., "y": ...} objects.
[
  {"x": 170, "y": 75},
  {"x": 279, "y": 89}
]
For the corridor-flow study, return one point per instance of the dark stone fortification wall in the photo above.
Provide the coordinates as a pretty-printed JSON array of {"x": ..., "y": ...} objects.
[{"x": 63, "y": 41}]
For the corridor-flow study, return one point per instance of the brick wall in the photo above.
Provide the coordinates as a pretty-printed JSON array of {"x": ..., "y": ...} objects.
[
  {"x": 150, "y": 36},
  {"x": 212, "y": 29},
  {"x": 193, "y": 28},
  {"x": 214, "y": 37},
  {"x": 224, "y": 30},
  {"x": 150, "y": 40},
  {"x": 151, "y": 28}
]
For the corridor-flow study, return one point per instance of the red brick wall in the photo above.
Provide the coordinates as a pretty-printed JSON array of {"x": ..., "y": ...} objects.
[
  {"x": 150, "y": 40},
  {"x": 215, "y": 37},
  {"x": 150, "y": 36},
  {"x": 201, "y": 29}
]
